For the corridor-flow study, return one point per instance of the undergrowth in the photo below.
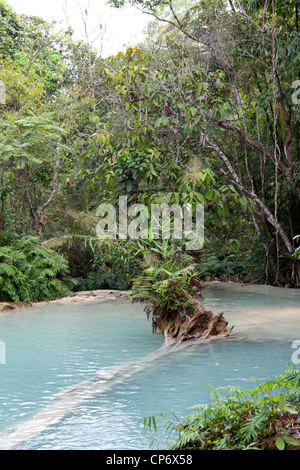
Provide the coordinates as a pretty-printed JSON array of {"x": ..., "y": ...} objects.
[
  {"x": 30, "y": 272},
  {"x": 265, "y": 417}
]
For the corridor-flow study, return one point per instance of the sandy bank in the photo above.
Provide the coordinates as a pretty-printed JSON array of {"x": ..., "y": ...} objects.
[{"x": 78, "y": 297}]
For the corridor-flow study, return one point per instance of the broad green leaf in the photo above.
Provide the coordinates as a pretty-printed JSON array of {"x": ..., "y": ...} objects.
[
  {"x": 282, "y": 402},
  {"x": 280, "y": 443},
  {"x": 128, "y": 186},
  {"x": 291, "y": 440}
]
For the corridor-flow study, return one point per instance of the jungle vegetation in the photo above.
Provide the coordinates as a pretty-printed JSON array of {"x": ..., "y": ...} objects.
[
  {"x": 204, "y": 111},
  {"x": 264, "y": 417}
]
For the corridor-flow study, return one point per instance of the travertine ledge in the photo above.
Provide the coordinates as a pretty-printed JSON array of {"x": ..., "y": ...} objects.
[{"x": 78, "y": 297}]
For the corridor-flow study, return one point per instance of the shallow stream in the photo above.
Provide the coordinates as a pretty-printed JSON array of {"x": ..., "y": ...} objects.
[{"x": 83, "y": 376}]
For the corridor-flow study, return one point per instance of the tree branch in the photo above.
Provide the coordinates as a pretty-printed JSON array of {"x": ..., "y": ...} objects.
[
  {"x": 286, "y": 170},
  {"x": 207, "y": 143},
  {"x": 54, "y": 190}
]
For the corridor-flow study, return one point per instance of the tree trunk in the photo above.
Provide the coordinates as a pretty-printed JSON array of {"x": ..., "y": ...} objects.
[
  {"x": 260, "y": 204},
  {"x": 2, "y": 202}
]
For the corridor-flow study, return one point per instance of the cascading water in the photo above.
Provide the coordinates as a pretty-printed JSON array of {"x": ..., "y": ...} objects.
[{"x": 79, "y": 377}]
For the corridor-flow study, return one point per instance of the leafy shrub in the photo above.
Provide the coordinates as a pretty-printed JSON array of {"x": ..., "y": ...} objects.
[
  {"x": 264, "y": 417},
  {"x": 77, "y": 250},
  {"x": 116, "y": 263},
  {"x": 166, "y": 283},
  {"x": 30, "y": 272},
  {"x": 103, "y": 278},
  {"x": 99, "y": 264},
  {"x": 230, "y": 266}
]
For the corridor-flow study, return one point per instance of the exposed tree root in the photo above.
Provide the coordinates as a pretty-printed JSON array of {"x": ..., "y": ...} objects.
[{"x": 198, "y": 323}]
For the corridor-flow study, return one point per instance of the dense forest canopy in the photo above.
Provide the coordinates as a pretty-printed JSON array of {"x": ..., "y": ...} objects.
[{"x": 204, "y": 111}]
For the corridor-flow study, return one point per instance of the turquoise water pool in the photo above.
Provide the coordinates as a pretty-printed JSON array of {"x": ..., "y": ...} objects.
[{"x": 83, "y": 376}]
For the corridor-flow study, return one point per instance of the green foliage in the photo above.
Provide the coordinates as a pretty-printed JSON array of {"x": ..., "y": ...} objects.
[
  {"x": 30, "y": 272},
  {"x": 166, "y": 283},
  {"x": 133, "y": 168},
  {"x": 297, "y": 250},
  {"x": 11, "y": 30},
  {"x": 263, "y": 417},
  {"x": 115, "y": 264},
  {"x": 186, "y": 95},
  {"x": 230, "y": 266},
  {"x": 135, "y": 123},
  {"x": 30, "y": 150},
  {"x": 21, "y": 139},
  {"x": 99, "y": 264},
  {"x": 23, "y": 91}
]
